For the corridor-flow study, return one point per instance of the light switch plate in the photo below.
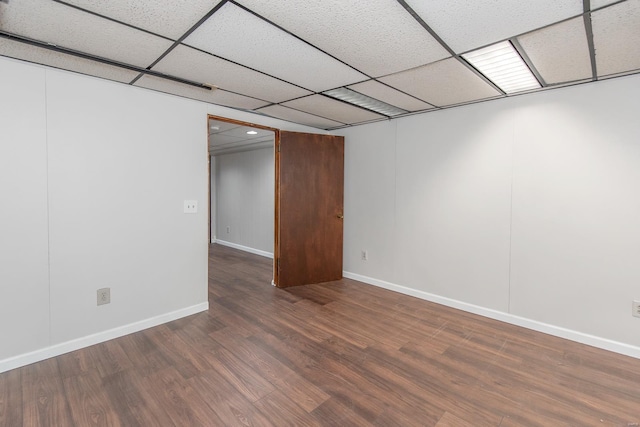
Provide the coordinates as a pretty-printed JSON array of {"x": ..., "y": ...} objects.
[{"x": 190, "y": 206}]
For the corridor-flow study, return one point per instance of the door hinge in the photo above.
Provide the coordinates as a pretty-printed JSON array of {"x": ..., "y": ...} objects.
[{"x": 278, "y": 148}]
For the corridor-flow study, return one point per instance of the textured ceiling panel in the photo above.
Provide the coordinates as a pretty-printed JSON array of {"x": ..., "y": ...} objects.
[
  {"x": 332, "y": 109},
  {"x": 168, "y": 18},
  {"x": 446, "y": 82},
  {"x": 219, "y": 97},
  {"x": 595, "y": 4},
  {"x": 390, "y": 95},
  {"x": 65, "y": 26},
  {"x": 289, "y": 114},
  {"x": 465, "y": 25},
  {"x": 38, "y": 55},
  {"x": 377, "y": 37},
  {"x": 616, "y": 36},
  {"x": 201, "y": 67},
  {"x": 560, "y": 52},
  {"x": 236, "y": 34}
]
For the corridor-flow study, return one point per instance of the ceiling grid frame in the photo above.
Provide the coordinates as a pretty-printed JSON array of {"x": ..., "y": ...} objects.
[{"x": 144, "y": 25}]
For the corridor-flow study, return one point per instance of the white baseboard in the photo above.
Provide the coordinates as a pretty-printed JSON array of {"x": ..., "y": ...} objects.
[
  {"x": 76, "y": 344},
  {"x": 594, "y": 341},
  {"x": 245, "y": 248}
]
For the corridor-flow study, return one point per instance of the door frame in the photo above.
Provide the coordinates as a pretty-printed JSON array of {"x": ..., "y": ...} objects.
[{"x": 276, "y": 145}]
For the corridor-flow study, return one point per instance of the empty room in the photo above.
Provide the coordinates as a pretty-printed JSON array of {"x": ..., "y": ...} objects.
[{"x": 319, "y": 213}]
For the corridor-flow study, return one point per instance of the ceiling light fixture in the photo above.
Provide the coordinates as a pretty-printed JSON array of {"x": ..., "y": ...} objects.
[
  {"x": 504, "y": 66},
  {"x": 356, "y": 98},
  {"x": 252, "y": 132}
]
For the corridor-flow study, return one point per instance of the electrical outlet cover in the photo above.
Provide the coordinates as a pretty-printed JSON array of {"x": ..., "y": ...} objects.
[{"x": 104, "y": 296}]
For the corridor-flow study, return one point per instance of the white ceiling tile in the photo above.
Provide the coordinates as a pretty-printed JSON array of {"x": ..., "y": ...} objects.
[
  {"x": 616, "y": 36},
  {"x": 295, "y": 116},
  {"x": 595, "y": 4},
  {"x": 241, "y": 132},
  {"x": 68, "y": 27},
  {"x": 377, "y": 37},
  {"x": 201, "y": 67},
  {"x": 447, "y": 82},
  {"x": 240, "y": 36},
  {"x": 14, "y": 49},
  {"x": 219, "y": 97},
  {"x": 560, "y": 53},
  {"x": 465, "y": 25},
  {"x": 390, "y": 95},
  {"x": 332, "y": 109},
  {"x": 168, "y": 18}
]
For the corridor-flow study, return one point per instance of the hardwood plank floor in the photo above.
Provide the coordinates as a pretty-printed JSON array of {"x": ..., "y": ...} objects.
[{"x": 335, "y": 354}]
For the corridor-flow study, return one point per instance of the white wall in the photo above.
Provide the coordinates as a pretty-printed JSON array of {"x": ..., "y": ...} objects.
[
  {"x": 524, "y": 209},
  {"x": 244, "y": 184},
  {"x": 24, "y": 270},
  {"x": 93, "y": 175}
]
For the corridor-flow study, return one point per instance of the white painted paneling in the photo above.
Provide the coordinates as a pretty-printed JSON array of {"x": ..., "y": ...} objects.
[
  {"x": 576, "y": 209},
  {"x": 116, "y": 193},
  {"x": 555, "y": 176},
  {"x": 24, "y": 282},
  {"x": 244, "y": 185},
  {"x": 121, "y": 163},
  {"x": 369, "y": 203},
  {"x": 453, "y": 183}
]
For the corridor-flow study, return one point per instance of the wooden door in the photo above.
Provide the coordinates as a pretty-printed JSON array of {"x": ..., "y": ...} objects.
[{"x": 309, "y": 208}]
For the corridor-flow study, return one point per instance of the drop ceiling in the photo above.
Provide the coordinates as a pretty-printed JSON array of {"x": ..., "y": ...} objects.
[{"x": 284, "y": 58}]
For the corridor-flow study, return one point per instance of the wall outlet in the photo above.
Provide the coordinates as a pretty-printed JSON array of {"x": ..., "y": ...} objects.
[
  {"x": 104, "y": 296},
  {"x": 228, "y": 229},
  {"x": 190, "y": 206},
  {"x": 364, "y": 255},
  {"x": 635, "y": 307}
]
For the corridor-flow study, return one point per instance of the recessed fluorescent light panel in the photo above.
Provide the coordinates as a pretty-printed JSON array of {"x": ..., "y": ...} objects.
[
  {"x": 504, "y": 66},
  {"x": 356, "y": 98}
]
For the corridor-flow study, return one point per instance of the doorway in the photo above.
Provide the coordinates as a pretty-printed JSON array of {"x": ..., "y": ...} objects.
[
  {"x": 307, "y": 197},
  {"x": 241, "y": 185}
]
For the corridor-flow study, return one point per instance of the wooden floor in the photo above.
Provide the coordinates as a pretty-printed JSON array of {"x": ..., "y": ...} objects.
[{"x": 336, "y": 354}]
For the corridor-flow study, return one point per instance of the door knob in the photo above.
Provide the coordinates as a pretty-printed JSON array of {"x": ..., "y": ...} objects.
[{"x": 341, "y": 216}]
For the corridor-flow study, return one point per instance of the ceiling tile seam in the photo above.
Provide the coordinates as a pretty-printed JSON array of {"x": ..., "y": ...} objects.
[
  {"x": 95, "y": 58},
  {"x": 247, "y": 67},
  {"x": 439, "y": 39},
  {"x": 606, "y": 6},
  {"x": 297, "y": 37},
  {"x": 306, "y": 112},
  {"x": 520, "y": 51},
  {"x": 73, "y": 6},
  {"x": 589, "y": 33},
  {"x": 401, "y": 91},
  {"x": 181, "y": 38},
  {"x": 241, "y": 94}
]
